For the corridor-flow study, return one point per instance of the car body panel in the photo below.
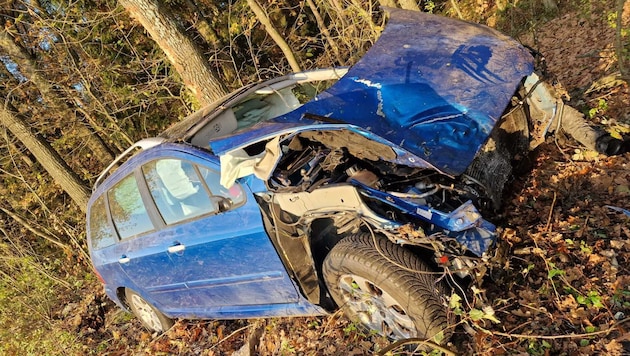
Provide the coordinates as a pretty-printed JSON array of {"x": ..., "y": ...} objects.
[
  {"x": 432, "y": 85},
  {"x": 196, "y": 278}
]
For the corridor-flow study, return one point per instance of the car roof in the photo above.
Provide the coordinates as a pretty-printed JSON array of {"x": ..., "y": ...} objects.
[
  {"x": 189, "y": 126},
  {"x": 185, "y": 129},
  {"x": 143, "y": 144}
]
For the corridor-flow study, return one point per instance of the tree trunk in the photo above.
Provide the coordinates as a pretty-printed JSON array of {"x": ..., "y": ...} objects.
[
  {"x": 388, "y": 3},
  {"x": 28, "y": 68},
  {"x": 409, "y": 5},
  {"x": 284, "y": 46},
  {"x": 619, "y": 42},
  {"x": 181, "y": 51},
  {"x": 47, "y": 157},
  {"x": 201, "y": 23},
  {"x": 324, "y": 30}
]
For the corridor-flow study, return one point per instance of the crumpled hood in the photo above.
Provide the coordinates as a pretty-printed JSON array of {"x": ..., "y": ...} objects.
[{"x": 433, "y": 85}]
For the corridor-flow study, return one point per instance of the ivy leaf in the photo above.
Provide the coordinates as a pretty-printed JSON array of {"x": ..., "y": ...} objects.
[
  {"x": 476, "y": 314},
  {"x": 455, "y": 302}
]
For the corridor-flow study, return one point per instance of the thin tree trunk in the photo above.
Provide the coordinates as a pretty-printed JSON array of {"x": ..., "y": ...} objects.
[
  {"x": 181, "y": 51},
  {"x": 46, "y": 236},
  {"x": 47, "y": 157},
  {"x": 388, "y": 3},
  {"x": 322, "y": 27},
  {"x": 200, "y": 23},
  {"x": 196, "y": 16},
  {"x": 271, "y": 30},
  {"x": 409, "y": 5},
  {"x": 459, "y": 13},
  {"x": 28, "y": 68},
  {"x": 619, "y": 43}
]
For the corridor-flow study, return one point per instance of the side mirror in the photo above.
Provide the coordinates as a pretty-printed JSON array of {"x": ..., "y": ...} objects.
[{"x": 224, "y": 203}]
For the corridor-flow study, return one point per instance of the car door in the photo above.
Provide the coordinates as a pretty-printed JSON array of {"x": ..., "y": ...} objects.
[
  {"x": 221, "y": 253},
  {"x": 141, "y": 251}
]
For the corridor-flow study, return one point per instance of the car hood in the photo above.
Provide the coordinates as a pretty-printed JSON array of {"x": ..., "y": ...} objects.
[{"x": 434, "y": 86}]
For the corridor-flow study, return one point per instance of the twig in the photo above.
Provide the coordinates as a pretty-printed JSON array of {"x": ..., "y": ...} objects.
[
  {"x": 50, "y": 238},
  {"x": 459, "y": 13},
  {"x": 232, "y": 334},
  {"x": 553, "y": 203},
  {"x": 521, "y": 325},
  {"x": 557, "y": 337},
  {"x": 414, "y": 340}
]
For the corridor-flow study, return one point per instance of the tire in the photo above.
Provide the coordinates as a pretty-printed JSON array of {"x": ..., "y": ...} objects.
[
  {"x": 377, "y": 289},
  {"x": 150, "y": 317}
]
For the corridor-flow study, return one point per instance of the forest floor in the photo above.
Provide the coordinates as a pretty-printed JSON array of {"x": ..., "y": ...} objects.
[{"x": 563, "y": 288}]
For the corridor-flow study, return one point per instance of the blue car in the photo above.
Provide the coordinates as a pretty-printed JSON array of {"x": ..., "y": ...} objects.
[{"x": 360, "y": 188}]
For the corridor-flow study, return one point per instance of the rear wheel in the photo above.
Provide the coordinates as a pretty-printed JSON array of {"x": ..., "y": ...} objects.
[
  {"x": 382, "y": 292},
  {"x": 150, "y": 317}
]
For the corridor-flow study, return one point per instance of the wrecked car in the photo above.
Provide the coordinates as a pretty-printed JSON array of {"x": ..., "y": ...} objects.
[{"x": 367, "y": 188}]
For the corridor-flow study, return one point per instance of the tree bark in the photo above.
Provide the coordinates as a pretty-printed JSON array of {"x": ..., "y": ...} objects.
[
  {"x": 271, "y": 30},
  {"x": 388, "y": 3},
  {"x": 619, "y": 43},
  {"x": 180, "y": 50},
  {"x": 201, "y": 23},
  {"x": 28, "y": 68},
  {"x": 324, "y": 30},
  {"x": 47, "y": 157},
  {"x": 409, "y": 5}
]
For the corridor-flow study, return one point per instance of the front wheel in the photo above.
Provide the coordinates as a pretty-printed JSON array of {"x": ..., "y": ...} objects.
[
  {"x": 387, "y": 289},
  {"x": 150, "y": 317}
]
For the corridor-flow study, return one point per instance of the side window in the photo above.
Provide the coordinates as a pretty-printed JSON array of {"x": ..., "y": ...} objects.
[
  {"x": 234, "y": 193},
  {"x": 128, "y": 211},
  {"x": 177, "y": 190},
  {"x": 101, "y": 232}
]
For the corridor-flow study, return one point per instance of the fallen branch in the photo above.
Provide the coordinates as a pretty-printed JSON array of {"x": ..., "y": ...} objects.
[
  {"x": 410, "y": 341},
  {"x": 232, "y": 334},
  {"x": 50, "y": 238},
  {"x": 557, "y": 337}
]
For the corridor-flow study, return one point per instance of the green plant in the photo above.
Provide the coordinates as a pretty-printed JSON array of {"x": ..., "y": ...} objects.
[
  {"x": 535, "y": 347},
  {"x": 585, "y": 248},
  {"x": 553, "y": 271},
  {"x": 602, "y": 106},
  {"x": 621, "y": 298},
  {"x": 474, "y": 314},
  {"x": 351, "y": 328},
  {"x": 592, "y": 299}
]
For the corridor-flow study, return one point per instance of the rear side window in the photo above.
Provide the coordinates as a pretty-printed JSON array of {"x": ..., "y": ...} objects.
[
  {"x": 128, "y": 211},
  {"x": 101, "y": 232}
]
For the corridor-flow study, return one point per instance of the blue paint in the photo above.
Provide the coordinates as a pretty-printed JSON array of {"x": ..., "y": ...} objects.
[{"x": 432, "y": 85}]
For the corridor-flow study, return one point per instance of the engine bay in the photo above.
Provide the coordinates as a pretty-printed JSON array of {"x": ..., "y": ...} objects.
[{"x": 312, "y": 160}]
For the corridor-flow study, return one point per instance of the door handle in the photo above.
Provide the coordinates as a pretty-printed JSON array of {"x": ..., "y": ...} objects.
[
  {"x": 176, "y": 248},
  {"x": 124, "y": 259}
]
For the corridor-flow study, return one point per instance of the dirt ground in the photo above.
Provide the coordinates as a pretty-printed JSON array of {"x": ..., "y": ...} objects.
[{"x": 564, "y": 286}]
